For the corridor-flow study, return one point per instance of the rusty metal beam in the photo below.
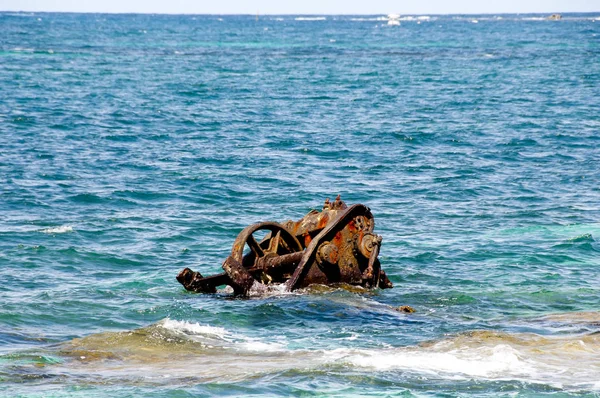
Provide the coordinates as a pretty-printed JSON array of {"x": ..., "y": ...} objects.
[{"x": 195, "y": 282}]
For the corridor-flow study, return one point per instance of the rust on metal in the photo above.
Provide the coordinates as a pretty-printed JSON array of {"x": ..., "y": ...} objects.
[{"x": 335, "y": 245}]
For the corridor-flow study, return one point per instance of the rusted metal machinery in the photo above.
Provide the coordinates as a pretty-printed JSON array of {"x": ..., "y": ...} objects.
[{"x": 335, "y": 245}]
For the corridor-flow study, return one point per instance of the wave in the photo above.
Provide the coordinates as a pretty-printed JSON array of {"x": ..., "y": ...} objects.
[
  {"x": 369, "y": 19},
  {"x": 483, "y": 362},
  {"x": 565, "y": 362},
  {"x": 63, "y": 229},
  {"x": 555, "y": 361},
  {"x": 206, "y": 352},
  {"x": 21, "y": 49},
  {"x": 418, "y": 18},
  {"x": 310, "y": 19},
  {"x": 192, "y": 328},
  {"x": 19, "y": 14},
  {"x": 203, "y": 331},
  {"x": 407, "y": 18}
]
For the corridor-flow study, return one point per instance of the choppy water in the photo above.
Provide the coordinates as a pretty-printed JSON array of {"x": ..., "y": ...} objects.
[{"x": 132, "y": 146}]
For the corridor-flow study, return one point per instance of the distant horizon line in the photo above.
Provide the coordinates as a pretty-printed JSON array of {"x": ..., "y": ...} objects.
[{"x": 294, "y": 14}]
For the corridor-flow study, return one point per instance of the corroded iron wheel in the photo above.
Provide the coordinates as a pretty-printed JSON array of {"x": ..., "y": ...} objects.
[{"x": 279, "y": 242}]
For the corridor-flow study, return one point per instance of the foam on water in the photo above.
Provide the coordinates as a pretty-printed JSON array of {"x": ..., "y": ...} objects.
[
  {"x": 410, "y": 18},
  {"x": 238, "y": 341},
  {"x": 500, "y": 361},
  {"x": 259, "y": 346},
  {"x": 369, "y": 19},
  {"x": 568, "y": 362},
  {"x": 193, "y": 328},
  {"x": 310, "y": 19},
  {"x": 58, "y": 230},
  {"x": 561, "y": 362}
]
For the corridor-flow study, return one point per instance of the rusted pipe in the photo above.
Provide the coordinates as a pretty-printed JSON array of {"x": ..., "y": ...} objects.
[{"x": 194, "y": 281}]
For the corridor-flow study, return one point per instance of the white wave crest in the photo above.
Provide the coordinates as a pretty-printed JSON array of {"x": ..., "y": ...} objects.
[
  {"x": 228, "y": 339},
  {"x": 486, "y": 362},
  {"x": 21, "y": 49},
  {"x": 193, "y": 328},
  {"x": 310, "y": 19},
  {"x": 58, "y": 230},
  {"x": 369, "y": 19},
  {"x": 255, "y": 345}
]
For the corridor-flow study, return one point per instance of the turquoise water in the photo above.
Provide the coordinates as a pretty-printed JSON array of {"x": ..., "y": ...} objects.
[{"x": 132, "y": 146}]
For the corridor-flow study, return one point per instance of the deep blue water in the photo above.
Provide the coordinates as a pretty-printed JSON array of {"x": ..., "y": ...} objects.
[{"x": 132, "y": 146}]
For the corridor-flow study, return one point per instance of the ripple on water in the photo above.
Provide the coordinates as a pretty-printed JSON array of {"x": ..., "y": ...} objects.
[{"x": 136, "y": 145}]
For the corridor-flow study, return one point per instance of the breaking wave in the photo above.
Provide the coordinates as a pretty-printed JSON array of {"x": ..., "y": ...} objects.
[
  {"x": 188, "y": 328},
  {"x": 310, "y": 19},
  {"x": 205, "y": 352},
  {"x": 58, "y": 230},
  {"x": 561, "y": 362}
]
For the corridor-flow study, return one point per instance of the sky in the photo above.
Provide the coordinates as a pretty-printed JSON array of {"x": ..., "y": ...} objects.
[{"x": 304, "y": 6}]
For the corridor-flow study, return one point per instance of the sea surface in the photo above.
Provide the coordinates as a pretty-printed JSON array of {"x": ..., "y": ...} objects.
[{"x": 133, "y": 146}]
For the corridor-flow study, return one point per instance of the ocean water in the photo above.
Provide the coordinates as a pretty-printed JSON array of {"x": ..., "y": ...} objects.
[{"x": 132, "y": 146}]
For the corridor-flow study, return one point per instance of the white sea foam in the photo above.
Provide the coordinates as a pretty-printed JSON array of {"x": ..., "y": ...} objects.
[
  {"x": 261, "y": 290},
  {"x": 558, "y": 361},
  {"x": 256, "y": 345},
  {"x": 193, "y": 328},
  {"x": 369, "y": 19},
  {"x": 407, "y": 18},
  {"x": 485, "y": 362},
  {"x": 310, "y": 19},
  {"x": 20, "y": 14},
  {"x": 566, "y": 362},
  {"x": 58, "y": 230},
  {"x": 229, "y": 340}
]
